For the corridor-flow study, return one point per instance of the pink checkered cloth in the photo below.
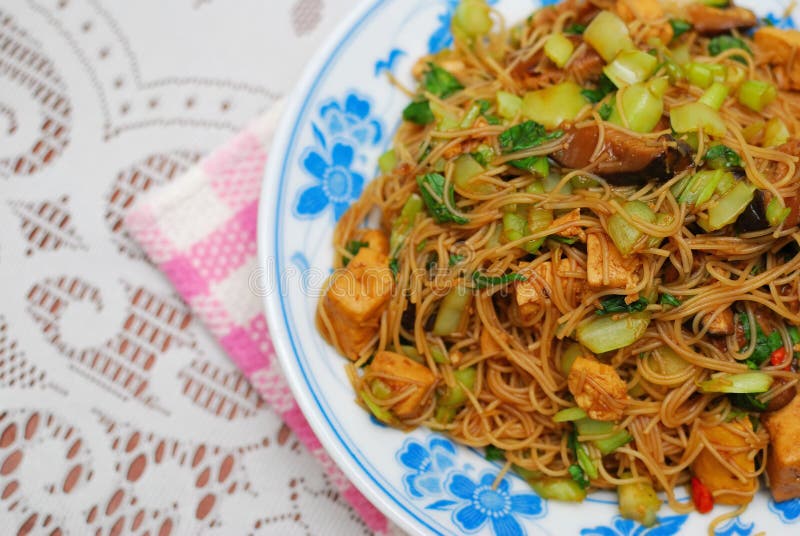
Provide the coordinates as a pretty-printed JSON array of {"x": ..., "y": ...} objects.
[{"x": 201, "y": 231}]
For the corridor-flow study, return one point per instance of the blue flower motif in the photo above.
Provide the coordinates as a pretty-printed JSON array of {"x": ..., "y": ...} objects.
[
  {"x": 788, "y": 511},
  {"x": 780, "y": 21},
  {"x": 337, "y": 184},
  {"x": 351, "y": 120},
  {"x": 667, "y": 526},
  {"x": 735, "y": 527},
  {"x": 428, "y": 465},
  {"x": 482, "y": 502},
  {"x": 441, "y": 37}
]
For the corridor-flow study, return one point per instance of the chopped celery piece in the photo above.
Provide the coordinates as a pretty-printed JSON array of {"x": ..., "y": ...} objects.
[
  {"x": 387, "y": 161},
  {"x": 558, "y": 489},
  {"x": 535, "y": 188},
  {"x": 473, "y": 17},
  {"x": 401, "y": 227},
  {"x": 539, "y": 219},
  {"x": 699, "y": 74},
  {"x": 681, "y": 54},
  {"x": 592, "y": 427},
  {"x": 643, "y": 105},
  {"x": 445, "y": 414},
  {"x": 445, "y": 119},
  {"x": 638, "y": 501},
  {"x": 775, "y": 133},
  {"x": 456, "y": 396},
  {"x": 380, "y": 389},
  {"x": 727, "y": 209},
  {"x": 608, "y": 35},
  {"x": 747, "y": 382},
  {"x": 695, "y": 115},
  {"x": 452, "y": 310},
  {"x": 776, "y": 212},
  {"x": 605, "y": 333},
  {"x": 625, "y": 235},
  {"x": 550, "y": 182},
  {"x": 701, "y": 187},
  {"x": 568, "y": 356},
  {"x": 569, "y": 414},
  {"x": 483, "y": 155},
  {"x": 513, "y": 226},
  {"x": 662, "y": 220},
  {"x": 582, "y": 182},
  {"x": 757, "y": 94},
  {"x": 559, "y": 49},
  {"x": 666, "y": 362},
  {"x": 466, "y": 168},
  {"x": 527, "y": 474},
  {"x": 715, "y": 95},
  {"x": 382, "y": 414},
  {"x": 469, "y": 118},
  {"x": 586, "y": 462},
  {"x": 630, "y": 67},
  {"x": 508, "y": 104},
  {"x": 411, "y": 353},
  {"x": 611, "y": 443},
  {"x": 554, "y": 105},
  {"x": 439, "y": 356}
]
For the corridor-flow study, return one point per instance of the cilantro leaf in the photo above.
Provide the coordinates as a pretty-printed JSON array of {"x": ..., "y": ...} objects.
[
  {"x": 765, "y": 345},
  {"x": 394, "y": 265},
  {"x": 747, "y": 402},
  {"x": 494, "y": 454},
  {"x": 679, "y": 27},
  {"x": 485, "y": 281},
  {"x": 605, "y": 111},
  {"x": 419, "y": 112},
  {"x": 721, "y": 43},
  {"x": 669, "y": 299},
  {"x": 526, "y": 136},
  {"x": 455, "y": 259},
  {"x": 578, "y": 475},
  {"x": 431, "y": 186},
  {"x": 440, "y": 82},
  {"x": 353, "y": 247},
  {"x": 722, "y": 157},
  {"x": 604, "y": 87},
  {"x": 616, "y": 304},
  {"x": 575, "y": 29}
]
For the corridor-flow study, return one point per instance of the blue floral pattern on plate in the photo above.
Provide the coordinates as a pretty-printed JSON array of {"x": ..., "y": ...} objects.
[
  {"x": 432, "y": 473},
  {"x": 667, "y": 526},
  {"x": 342, "y": 130},
  {"x": 735, "y": 527},
  {"x": 787, "y": 511},
  {"x": 780, "y": 21}
]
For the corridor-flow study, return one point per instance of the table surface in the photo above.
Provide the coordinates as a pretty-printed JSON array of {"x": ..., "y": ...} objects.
[{"x": 118, "y": 412}]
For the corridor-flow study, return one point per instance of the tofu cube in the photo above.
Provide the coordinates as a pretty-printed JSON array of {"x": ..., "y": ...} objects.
[
  {"x": 573, "y": 231},
  {"x": 598, "y": 389},
  {"x": 779, "y": 48},
  {"x": 783, "y": 460},
  {"x": 376, "y": 239},
  {"x": 606, "y": 266},
  {"x": 722, "y": 325},
  {"x": 399, "y": 373},
  {"x": 734, "y": 448}
]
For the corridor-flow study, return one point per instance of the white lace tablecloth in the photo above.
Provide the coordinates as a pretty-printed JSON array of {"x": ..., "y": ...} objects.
[{"x": 101, "y": 101}]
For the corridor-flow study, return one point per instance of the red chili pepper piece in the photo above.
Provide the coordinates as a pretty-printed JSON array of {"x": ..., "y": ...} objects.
[
  {"x": 777, "y": 357},
  {"x": 701, "y": 496}
]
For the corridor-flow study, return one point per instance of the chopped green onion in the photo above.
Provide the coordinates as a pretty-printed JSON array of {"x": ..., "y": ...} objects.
[
  {"x": 380, "y": 413},
  {"x": 715, "y": 95},
  {"x": 605, "y": 333},
  {"x": 608, "y": 35},
  {"x": 747, "y": 382},
  {"x": 721, "y": 43},
  {"x": 494, "y": 454},
  {"x": 431, "y": 187},
  {"x": 586, "y": 462},
  {"x": 554, "y": 105},
  {"x": 559, "y": 49},
  {"x": 630, "y": 67},
  {"x": 669, "y": 299},
  {"x": 569, "y": 414},
  {"x": 508, "y": 104},
  {"x": 452, "y": 310},
  {"x": 578, "y": 475},
  {"x": 575, "y": 29},
  {"x": 419, "y": 112},
  {"x": 484, "y": 281},
  {"x": 757, "y": 94}
]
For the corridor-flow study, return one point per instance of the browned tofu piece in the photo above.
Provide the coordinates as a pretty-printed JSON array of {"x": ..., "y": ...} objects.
[
  {"x": 537, "y": 287},
  {"x": 376, "y": 239},
  {"x": 598, "y": 389},
  {"x": 734, "y": 448},
  {"x": 722, "y": 325},
  {"x": 399, "y": 373},
  {"x": 783, "y": 460},
  {"x": 602, "y": 253},
  {"x": 575, "y": 231},
  {"x": 779, "y": 48},
  {"x": 648, "y": 11},
  {"x": 356, "y": 299},
  {"x": 488, "y": 344}
]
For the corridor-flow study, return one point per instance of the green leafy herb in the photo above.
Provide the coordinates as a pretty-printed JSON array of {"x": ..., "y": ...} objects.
[
  {"x": 440, "y": 82},
  {"x": 765, "y": 345},
  {"x": 747, "y": 402},
  {"x": 721, "y": 43},
  {"x": 353, "y": 247},
  {"x": 605, "y": 111},
  {"x": 578, "y": 475},
  {"x": 669, "y": 299},
  {"x": 483, "y": 155},
  {"x": 722, "y": 157},
  {"x": 604, "y": 87},
  {"x": 421, "y": 245},
  {"x": 394, "y": 265},
  {"x": 616, "y": 304},
  {"x": 431, "y": 186},
  {"x": 485, "y": 281},
  {"x": 575, "y": 29},
  {"x": 537, "y": 165},
  {"x": 419, "y": 112},
  {"x": 494, "y": 454},
  {"x": 679, "y": 27},
  {"x": 526, "y": 136},
  {"x": 794, "y": 334},
  {"x": 455, "y": 259},
  {"x": 568, "y": 240}
]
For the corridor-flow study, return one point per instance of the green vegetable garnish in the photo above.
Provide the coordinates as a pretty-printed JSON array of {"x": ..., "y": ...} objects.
[
  {"x": 722, "y": 157},
  {"x": 679, "y": 27},
  {"x": 494, "y": 454},
  {"x": 578, "y": 475},
  {"x": 605, "y": 111},
  {"x": 765, "y": 345},
  {"x": 616, "y": 304},
  {"x": 440, "y": 82},
  {"x": 669, "y": 299},
  {"x": 604, "y": 87},
  {"x": 747, "y": 401},
  {"x": 525, "y": 136},
  {"x": 485, "y": 281},
  {"x": 419, "y": 112},
  {"x": 353, "y": 247},
  {"x": 721, "y": 43},
  {"x": 575, "y": 29},
  {"x": 455, "y": 259},
  {"x": 431, "y": 186}
]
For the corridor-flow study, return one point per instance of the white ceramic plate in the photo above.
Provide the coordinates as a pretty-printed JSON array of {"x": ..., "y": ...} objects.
[{"x": 340, "y": 119}]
